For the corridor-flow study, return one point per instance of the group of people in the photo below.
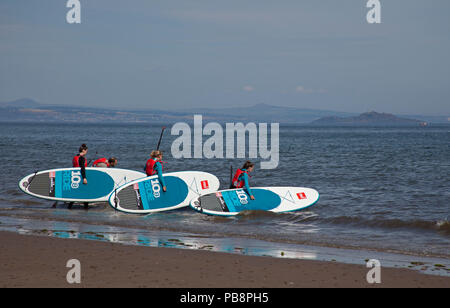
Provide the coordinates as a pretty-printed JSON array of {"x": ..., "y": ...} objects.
[{"x": 154, "y": 166}]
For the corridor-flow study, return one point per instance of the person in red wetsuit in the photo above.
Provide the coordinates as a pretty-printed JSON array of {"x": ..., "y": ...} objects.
[{"x": 105, "y": 163}]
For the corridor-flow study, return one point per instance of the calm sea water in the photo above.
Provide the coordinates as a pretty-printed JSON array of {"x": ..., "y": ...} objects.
[{"x": 385, "y": 189}]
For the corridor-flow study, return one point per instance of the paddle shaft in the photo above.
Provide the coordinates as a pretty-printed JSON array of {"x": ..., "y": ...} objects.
[
  {"x": 160, "y": 138},
  {"x": 231, "y": 177},
  {"x": 159, "y": 142}
]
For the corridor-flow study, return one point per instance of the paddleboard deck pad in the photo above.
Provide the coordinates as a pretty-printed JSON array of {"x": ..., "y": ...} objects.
[
  {"x": 66, "y": 185},
  {"x": 275, "y": 199},
  {"x": 146, "y": 196}
]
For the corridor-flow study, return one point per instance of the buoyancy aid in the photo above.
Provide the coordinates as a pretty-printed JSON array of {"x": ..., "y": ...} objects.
[
  {"x": 235, "y": 182},
  {"x": 150, "y": 166},
  {"x": 101, "y": 161},
  {"x": 76, "y": 161}
]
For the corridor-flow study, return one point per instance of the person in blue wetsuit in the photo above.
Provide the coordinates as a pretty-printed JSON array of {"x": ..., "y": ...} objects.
[
  {"x": 155, "y": 166},
  {"x": 240, "y": 179}
]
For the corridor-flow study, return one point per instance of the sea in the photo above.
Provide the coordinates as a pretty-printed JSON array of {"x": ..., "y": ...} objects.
[{"x": 384, "y": 193}]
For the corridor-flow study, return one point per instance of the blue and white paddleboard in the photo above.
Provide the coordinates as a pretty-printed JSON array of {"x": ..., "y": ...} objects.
[
  {"x": 66, "y": 185},
  {"x": 275, "y": 199},
  {"x": 146, "y": 196}
]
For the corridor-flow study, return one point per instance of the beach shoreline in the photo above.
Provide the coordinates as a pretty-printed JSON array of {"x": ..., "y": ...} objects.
[{"x": 40, "y": 261}]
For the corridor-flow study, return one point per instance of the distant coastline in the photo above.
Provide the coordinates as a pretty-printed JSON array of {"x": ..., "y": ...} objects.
[{"x": 28, "y": 110}]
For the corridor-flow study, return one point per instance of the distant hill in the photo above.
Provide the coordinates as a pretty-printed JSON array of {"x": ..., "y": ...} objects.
[
  {"x": 20, "y": 103},
  {"x": 369, "y": 118},
  {"x": 266, "y": 113}
]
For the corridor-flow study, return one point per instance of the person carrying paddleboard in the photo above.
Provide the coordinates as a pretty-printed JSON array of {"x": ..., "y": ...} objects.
[
  {"x": 240, "y": 179},
  {"x": 105, "y": 163},
  {"x": 80, "y": 161},
  {"x": 155, "y": 166}
]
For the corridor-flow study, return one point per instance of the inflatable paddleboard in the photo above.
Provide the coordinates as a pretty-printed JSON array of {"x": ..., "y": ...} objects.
[
  {"x": 275, "y": 199},
  {"x": 146, "y": 195},
  {"x": 66, "y": 185}
]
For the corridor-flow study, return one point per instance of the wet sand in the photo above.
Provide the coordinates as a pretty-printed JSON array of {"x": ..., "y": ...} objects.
[{"x": 38, "y": 261}]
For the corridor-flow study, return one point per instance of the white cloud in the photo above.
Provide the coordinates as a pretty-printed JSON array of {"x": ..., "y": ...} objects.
[
  {"x": 302, "y": 89},
  {"x": 248, "y": 88}
]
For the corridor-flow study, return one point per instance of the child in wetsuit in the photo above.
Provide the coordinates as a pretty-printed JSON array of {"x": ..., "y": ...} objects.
[
  {"x": 154, "y": 166},
  {"x": 240, "y": 179}
]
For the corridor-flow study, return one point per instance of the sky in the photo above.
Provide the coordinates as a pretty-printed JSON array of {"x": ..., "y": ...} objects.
[{"x": 317, "y": 54}]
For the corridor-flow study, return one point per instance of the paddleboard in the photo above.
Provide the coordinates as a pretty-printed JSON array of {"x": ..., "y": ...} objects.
[
  {"x": 275, "y": 199},
  {"x": 66, "y": 185},
  {"x": 146, "y": 195}
]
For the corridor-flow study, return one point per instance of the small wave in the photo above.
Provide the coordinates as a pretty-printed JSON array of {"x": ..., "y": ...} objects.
[
  {"x": 289, "y": 217},
  {"x": 257, "y": 214},
  {"x": 302, "y": 216},
  {"x": 440, "y": 226}
]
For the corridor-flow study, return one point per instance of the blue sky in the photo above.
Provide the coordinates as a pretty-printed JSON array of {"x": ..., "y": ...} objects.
[{"x": 209, "y": 53}]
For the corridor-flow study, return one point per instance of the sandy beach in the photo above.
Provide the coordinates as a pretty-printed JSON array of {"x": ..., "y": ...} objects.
[{"x": 39, "y": 261}]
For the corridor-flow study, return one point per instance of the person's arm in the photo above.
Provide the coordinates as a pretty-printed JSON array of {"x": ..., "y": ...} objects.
[
  {"x": 158, "y": 169},
  {"x": 82, "y": 162},
  {"x": 247, "y": 186}
]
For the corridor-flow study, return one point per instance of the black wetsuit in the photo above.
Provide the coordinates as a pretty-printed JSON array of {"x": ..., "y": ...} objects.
[{"x": 82, "y": 163}]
